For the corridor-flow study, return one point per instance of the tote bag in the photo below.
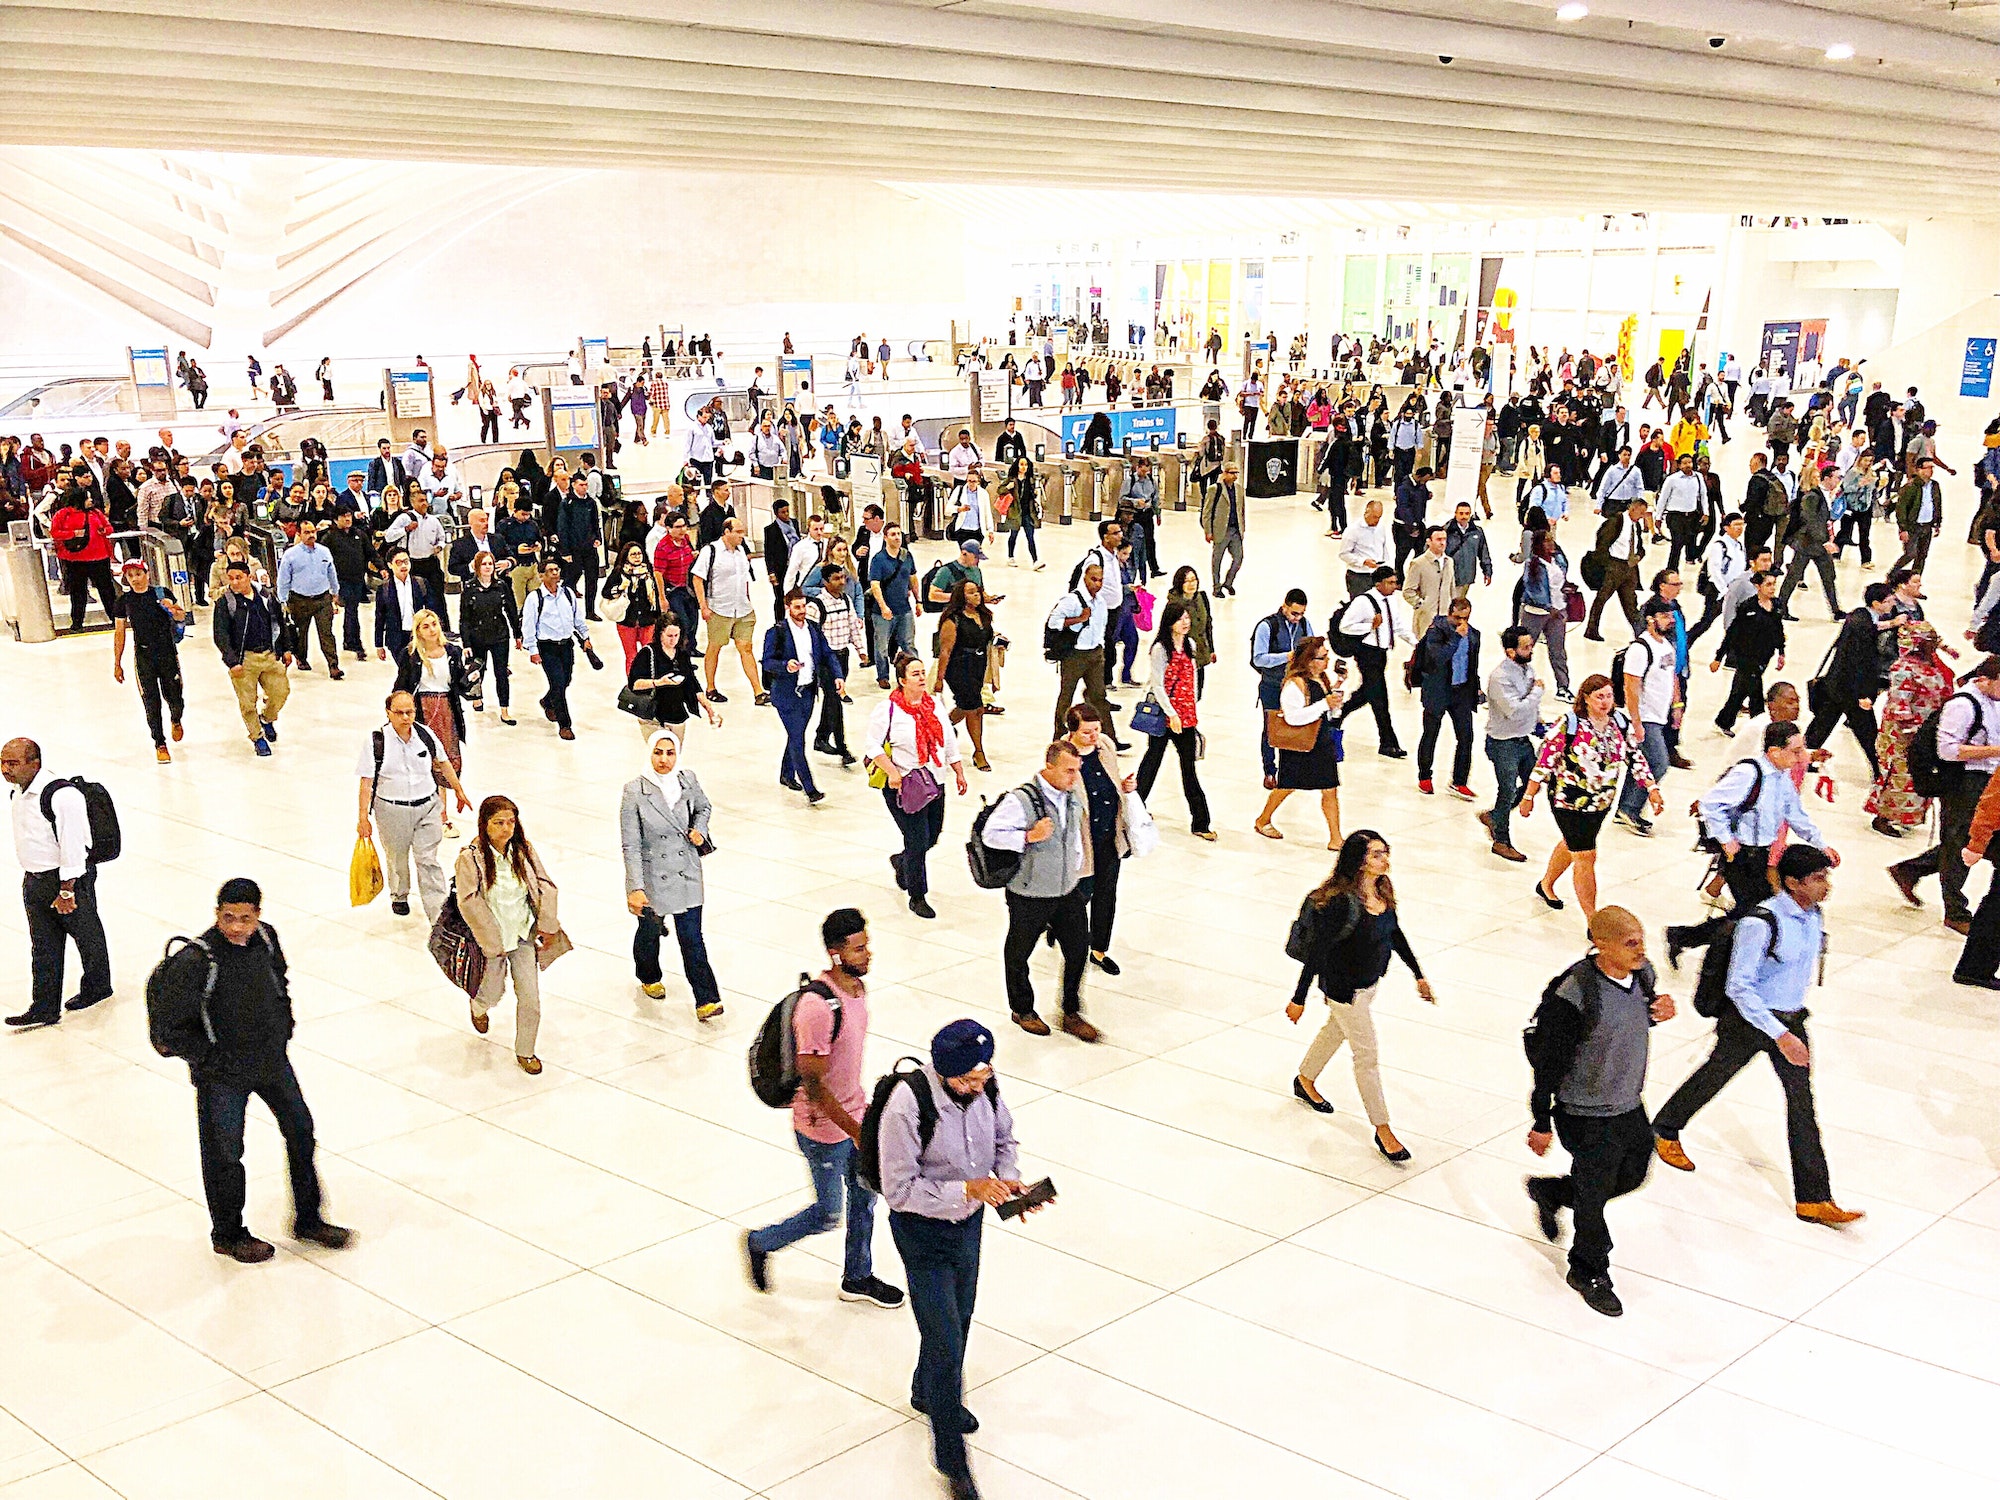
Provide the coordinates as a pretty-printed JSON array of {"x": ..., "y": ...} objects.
[{"x": 456, "y": 950}]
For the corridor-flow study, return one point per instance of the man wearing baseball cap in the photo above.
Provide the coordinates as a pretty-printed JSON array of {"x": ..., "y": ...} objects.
[
  {"x": 937, "y": 1182},
  {"x": 1775, "y": 957},
  {"x": 153, "y": 620}
]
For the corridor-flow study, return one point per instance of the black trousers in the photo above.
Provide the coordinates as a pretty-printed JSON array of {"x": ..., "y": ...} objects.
[
  {"x": 1149, "y": 771},
  {"x": 1748, "y": 879},
  {"x": 582, "y": 565},
  {"x": 220, "y": 1105},
  {"x": 78, "y": 580},
  {"x": 1746, "y": 694},
  {"x": 832, "y": 731},
  {"x": 1942, "y": 859},
  {"x": 941, "y": 1263},
  {"x": 1460, "y": 715},
  {"x": 1100, "y": 893},
  {"x": 1980, "y": 957},
  {"x": 1861, "y": 720},
  {"x": 1374, "y": 693},
  {"x": 1711, "y": 608},
  {"x": 1608, "y": 1157},
  {"x": 559, "y": 666},
  {"x": 1684, "y": 526},
  {"x": 1757, "y": 529},
  {"x": 159, "y": 677},
  {"x": 49, "y": 929},
  {"x": 352, "y": 597},
  {"x": 1737, "y": 1042},
  {"x": 431, "y": 570},
  {"x": 1028, "y": 917},
  {"x": 1854, "y": 529}
]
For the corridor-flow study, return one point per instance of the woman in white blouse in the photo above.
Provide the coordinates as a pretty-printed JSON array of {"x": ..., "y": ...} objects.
[
  {"x": 913, "y": 748},
  {"x": 1308, "y": 702},
  {"x": 439, "y": 672},
  {"x": 509, "y": 902}
]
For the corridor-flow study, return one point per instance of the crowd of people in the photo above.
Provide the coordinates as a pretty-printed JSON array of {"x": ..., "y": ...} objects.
[{"x": 559, "y": 551}]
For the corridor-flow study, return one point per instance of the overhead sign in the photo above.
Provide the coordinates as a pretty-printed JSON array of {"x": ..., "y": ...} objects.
[
  {"x": 412, "y": 390},
  {"x": 1976, "y": 379},
  {"x": 596, "y": 353},
  {"x": 1141, "y": 426}
]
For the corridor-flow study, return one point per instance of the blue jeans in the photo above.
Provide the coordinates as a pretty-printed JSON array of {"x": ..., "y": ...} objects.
[
  {"x": 941, "y": 1259},
  {"x": 831, "y": 1164},
  {"x": 1632, "y": 799},
  {"x": 694, "y": 953},
  {"x": 1512, "y": 760},
  {"x": 888, "y": 635},
  {"x": 1023, "y": 531}
]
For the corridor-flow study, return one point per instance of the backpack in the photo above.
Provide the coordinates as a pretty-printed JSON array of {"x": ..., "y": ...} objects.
[
  {"x": 1711, "y": 988},
  {"x": 993, "y": 868},
  {"x": 924, "y": 588},
  {"x": 1930, "y": 774},
  {"x": 176, "y": 1008},
  {"x": 1339, "y": 641},
  {"x": 430, "y": 743},
  {"x": 1704, "y": 842},
  {"x": 1618, "y": 666},
  {"x": 868, "y": 1154},
  {"x": 774, "y": 1050},
  {"x": 1299, "y": 943},
  {"x": 106, "y": 841},
  {"x": 1059, "y": 641},
  {"x": 1534, "y": 1043}
]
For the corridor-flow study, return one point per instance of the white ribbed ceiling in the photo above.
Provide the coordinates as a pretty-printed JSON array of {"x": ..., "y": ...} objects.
[{"x": 1339, "y": 101}]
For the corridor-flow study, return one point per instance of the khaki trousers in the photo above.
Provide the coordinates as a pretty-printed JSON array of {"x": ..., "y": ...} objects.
[
  {"x": 260, "y": 669},
  {"x": 1353, "y": 1024},
  {"x": 527, "y": 993}
]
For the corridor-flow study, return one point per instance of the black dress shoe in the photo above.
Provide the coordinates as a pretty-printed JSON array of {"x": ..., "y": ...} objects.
[
  {"x": 967, "y": 1422},
  {"x": 1596, "y": 1291},
  {"x": 29, "y": 1018},
  {"x": 788, "y": 784},
  {"x": 83, "y": 1002},
  {"x": 332, "y": 1236},
  {"x": 248, "y": 1249},
  {"x": 814, "y": 798},
  {"x": 1105, "y": 962},
  {"x": 400, "y": 908},
  {"x": 1393, "y": 752},
  {"x": 1545, "y": 1210},
  {"x": 921, "y": 907},
  {"x": 1318, "y": 1106},
  {"x": 1976, "y": 981}
]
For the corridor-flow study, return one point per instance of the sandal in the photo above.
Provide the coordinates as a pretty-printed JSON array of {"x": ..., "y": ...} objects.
[
  {"x": 979, "y": 763},
  {"x": 1267, "y": 830}
]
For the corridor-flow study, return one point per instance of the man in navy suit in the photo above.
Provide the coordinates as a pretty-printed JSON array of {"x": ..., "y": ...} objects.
[
  {"x": 795, "y": 654},
  {"x": 397, "y": 604},
  {"x": 385, "y": 476}
]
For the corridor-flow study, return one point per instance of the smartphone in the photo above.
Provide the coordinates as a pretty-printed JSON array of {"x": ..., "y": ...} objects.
[
  {"x": 1339, "y": 667},
  {"x": 1034, "y": 1197},
  {"x": 475, "y": 492}
]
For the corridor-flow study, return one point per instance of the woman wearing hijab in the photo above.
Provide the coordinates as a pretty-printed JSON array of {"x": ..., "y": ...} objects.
[
  {"x": 915, "y": 748},
  {"x": 509, "y": 902},
  {"x": 1919, "y": 682},
  {"x": 663, "y": 827}
]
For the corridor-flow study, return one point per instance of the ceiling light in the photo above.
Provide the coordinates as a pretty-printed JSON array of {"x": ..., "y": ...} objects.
[
  {"x": 1574, "y": 11},
  {"x": 1839, "y": 52}
]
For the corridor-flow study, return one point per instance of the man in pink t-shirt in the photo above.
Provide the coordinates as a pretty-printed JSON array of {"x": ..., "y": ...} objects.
[{"x": 831, "y": 1026}]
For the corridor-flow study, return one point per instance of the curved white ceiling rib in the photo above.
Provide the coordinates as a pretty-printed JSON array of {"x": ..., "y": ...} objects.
[{"x": 1320, "y": 100}]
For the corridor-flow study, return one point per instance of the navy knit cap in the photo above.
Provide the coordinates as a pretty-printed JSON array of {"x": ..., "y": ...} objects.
[{"x": 960, "y": 1047}]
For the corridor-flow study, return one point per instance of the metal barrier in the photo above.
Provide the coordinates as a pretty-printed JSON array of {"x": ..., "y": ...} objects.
[{"x": 32, "y": 576}]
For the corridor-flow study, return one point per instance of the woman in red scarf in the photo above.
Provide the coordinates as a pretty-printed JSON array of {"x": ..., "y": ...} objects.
[{"x": 912, "y": 749}]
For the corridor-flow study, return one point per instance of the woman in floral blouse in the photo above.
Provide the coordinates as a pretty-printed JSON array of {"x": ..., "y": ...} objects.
[
  {"x": 1919, "y": 682},
  {"x": 1174, "y": 670},
  {"x": 1580, "y": 761}
]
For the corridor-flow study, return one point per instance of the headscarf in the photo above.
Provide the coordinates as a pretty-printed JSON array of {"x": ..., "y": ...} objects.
[
  {"x": 930, "y": 732},
  {"x": 669, "y": 784},
  {"x": 1918, "y": 637}
]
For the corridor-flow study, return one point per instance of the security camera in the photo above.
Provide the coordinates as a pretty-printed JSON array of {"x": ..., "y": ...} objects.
[
  {"x": 1717, "y": 41},
  {"x": 1444, "y": 59}
]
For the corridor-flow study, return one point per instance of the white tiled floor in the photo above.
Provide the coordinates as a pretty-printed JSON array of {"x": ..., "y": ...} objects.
[{"x": 1232, "y": 1296}]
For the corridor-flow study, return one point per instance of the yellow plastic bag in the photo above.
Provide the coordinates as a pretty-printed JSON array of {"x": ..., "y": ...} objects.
[{"x": 364, "y": 873}]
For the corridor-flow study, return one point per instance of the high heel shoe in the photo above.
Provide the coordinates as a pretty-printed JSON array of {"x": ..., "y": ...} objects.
[
  {"x": 979, "y": 763},
  {"x": 1400, "y": 1154},
  {"x": 1318, "y": 1106}
]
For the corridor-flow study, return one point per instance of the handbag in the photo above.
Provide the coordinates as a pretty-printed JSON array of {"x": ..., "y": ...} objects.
[
  {"x": 1149, "y": 718},
  {"x": 456, "y": 950},
  {"x": 1142, "y": 608},
  {"x": 364, "y": 873},
  {"x": 1298, "y": 738},
  {"x": 1573, "y": 607},
  {"x": 613, "y": 607},
  {"x": 918, "y": 791},
  {"x": 639, "y": 705},
  {"x": 1141, "y": 833}
]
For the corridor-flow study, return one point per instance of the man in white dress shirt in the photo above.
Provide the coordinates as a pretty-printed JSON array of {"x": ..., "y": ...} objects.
[
  {"x": 401, "y": 768},
  {"x": 1372, "y": 621},
  {"x": 59, "y": 885}
]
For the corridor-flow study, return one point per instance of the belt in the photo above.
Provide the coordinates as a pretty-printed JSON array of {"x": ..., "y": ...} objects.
[{"x": 399, "y": 802}]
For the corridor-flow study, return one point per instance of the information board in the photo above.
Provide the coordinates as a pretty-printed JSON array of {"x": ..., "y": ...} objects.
[
  {"x": 412, "y": 390},
  {"x": 1976, "y": 379}
]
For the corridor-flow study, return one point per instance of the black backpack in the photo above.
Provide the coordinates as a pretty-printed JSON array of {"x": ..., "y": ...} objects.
[
  {"x": 774, "y": 1050},
  {"x": 1703, "y": 842},
  {"x": 868, "y": 1154},
  {"x": 924, "y": 588},
  {"x": 1534, "y": 1042},
  {"x": 177, "y": 993},
  {"x": 1059, "y": 641},
  {"x": 993, "y": 868},
  {"x": 1930, "y": 774},
  {"x": 1338, "y": 641},
  {"x": 1711, "y": 987},
  {"x": 106, "y": 841},
  {"x": 1299, "y": 942}
]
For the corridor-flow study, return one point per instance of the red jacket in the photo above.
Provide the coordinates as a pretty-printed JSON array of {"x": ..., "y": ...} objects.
[
  {"x": 94, "y": 526},
  {"x": 37, "y": 469}
]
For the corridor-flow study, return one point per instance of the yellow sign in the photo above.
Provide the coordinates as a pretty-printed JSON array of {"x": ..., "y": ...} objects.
[{"x": 1625, "y": 331}]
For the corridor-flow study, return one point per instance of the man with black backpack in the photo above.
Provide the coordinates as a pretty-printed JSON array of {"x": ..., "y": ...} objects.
[
  {"x": 222, "y": 1002},
  {"x": 829, "y": 1022},
  {"x": 1953, "y": 754},
  {"x": 944, "y": 1149},
  {"x": 1589, "y": 1044},
  {"x": 1755, "y": 988},
  {"x": 63, "y": 829}
]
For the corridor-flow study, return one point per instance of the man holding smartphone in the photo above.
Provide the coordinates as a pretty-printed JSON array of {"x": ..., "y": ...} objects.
[{"x": 937, "y": 1182}]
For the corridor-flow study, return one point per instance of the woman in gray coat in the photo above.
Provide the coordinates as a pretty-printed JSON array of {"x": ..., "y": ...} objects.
[{"x": 663, "y": 824}]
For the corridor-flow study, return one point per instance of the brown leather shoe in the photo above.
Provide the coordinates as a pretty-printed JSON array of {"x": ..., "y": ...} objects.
[
  {"x": 530, "y": 1065},
  {"x": 1033, "y": 1024},
  {"x": 1830, "y": 1214},
  {"x": 480, "y": 1023},
  {"x": 1079, "y": 1028},
  {"x": 1960, "y": 925},
  {"x": 1670, "y": 1152},
  {"x": 1509, "y": 853},
  {"x": 1907, "y": 884}
]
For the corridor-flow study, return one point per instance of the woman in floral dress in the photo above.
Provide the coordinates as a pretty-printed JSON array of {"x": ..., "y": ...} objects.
[{"x": 1919, "y": 682}]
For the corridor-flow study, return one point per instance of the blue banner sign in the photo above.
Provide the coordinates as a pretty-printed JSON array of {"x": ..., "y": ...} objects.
[
  {"x": 1141, "y": 426},
  {"x": 1976, "y": 379}
]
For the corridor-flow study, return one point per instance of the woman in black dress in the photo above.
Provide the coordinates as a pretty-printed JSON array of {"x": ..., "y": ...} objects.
[
  {"x": 965, "y": 633},
  {"x": 1308, "y": 701},
  {"x": 663, "y": 675}
]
